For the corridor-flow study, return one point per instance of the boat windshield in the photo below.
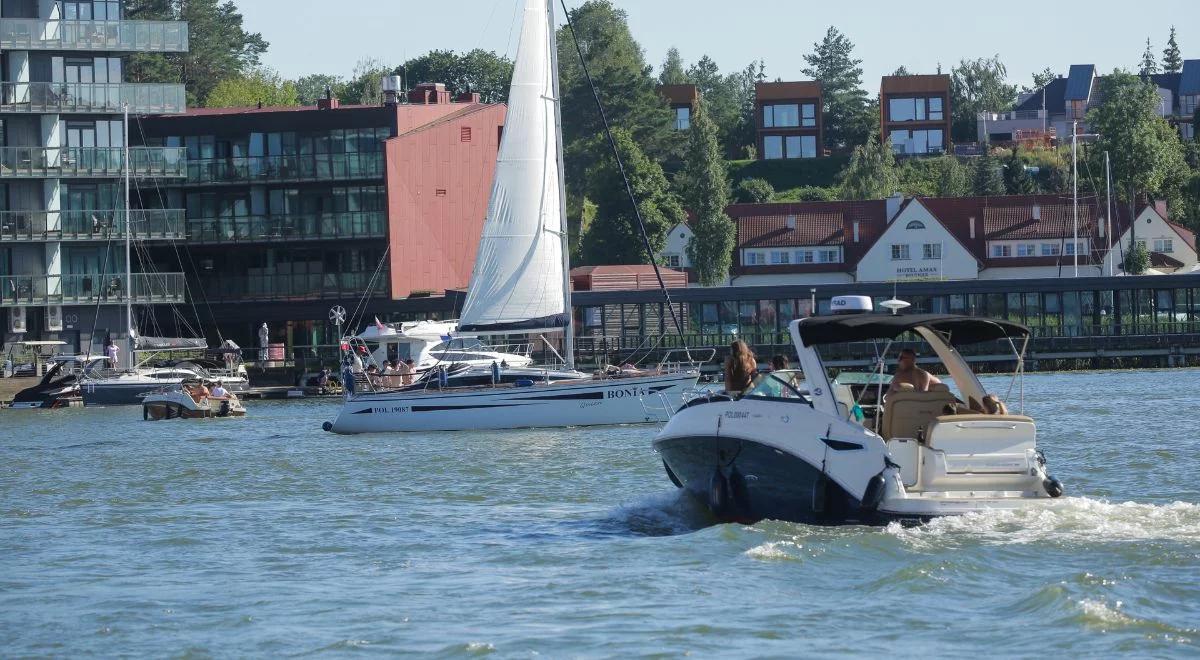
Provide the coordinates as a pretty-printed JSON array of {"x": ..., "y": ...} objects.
[{"x": 782, "y": 384}]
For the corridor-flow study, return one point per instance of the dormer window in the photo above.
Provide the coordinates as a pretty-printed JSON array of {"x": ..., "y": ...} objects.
[{"x": 915, "y": 224}]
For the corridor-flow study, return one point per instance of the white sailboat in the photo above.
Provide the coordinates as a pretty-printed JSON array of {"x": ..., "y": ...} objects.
[{"x": 521, "y": 284}]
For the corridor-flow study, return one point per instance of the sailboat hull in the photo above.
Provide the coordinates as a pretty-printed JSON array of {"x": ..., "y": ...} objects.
[{"x": 571, "y": 403}]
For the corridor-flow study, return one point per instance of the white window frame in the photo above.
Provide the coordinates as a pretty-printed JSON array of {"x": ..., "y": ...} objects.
[
  {"x": 1027, "y": 250},
  {"x": 1001, "y": 251},
  {"x": 781, "y": 257},
  {"x": 900, "y": 252},
  {"x": 1051, "y": 250},
  {"x": 1164, "y": 245},
  {"x": 932, "y": 251}
]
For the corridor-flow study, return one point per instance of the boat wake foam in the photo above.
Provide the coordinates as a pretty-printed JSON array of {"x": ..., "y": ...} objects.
[
  {"x": 1074, "y": 519},
  {"x": 661, "y": 514}
]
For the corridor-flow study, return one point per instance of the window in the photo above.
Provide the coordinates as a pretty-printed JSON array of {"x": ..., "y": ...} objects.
[
  {"x": 808, "y": 115},
  {"x": 999, "y": 251},
  {"x": 683, "y": 119},
  {"x": 1051, "y": 250},
  {"x": 830, "y": 256},
  {"x": 785, "y": 115},
  {"x": 1026, "y": 250},
  {"x": 902, "y": 109},
  {"x": 773, "y": 147},
  {"x": 1188, "y": 104},
  {"x": 1164, "y": 245},
  {"x": 918, "y": 142},
  {"x": 915, "y": 224},
  {"x": 783, "y": 257},
  {"x": 900, "y": 252},
  {"x": 935, "y": 109},
  {"x": 1071, "y": 247},
  {"x": 932, "y": 250},
  {"x": 755, "y": 259},
  {"x": 804, "y": 256},
  {"x": 672, "y": 260}
]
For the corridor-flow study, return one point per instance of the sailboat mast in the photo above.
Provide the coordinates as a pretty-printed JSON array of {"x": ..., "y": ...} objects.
[
  {"x": 128, "y": 262},
  {"x": 569, "y": 334}
]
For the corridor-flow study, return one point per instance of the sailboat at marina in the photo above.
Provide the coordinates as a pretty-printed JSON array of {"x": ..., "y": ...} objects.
[{"x": 520, "y": 285}]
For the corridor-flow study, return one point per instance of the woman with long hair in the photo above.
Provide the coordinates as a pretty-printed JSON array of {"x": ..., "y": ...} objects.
[{"x": 740, "y": 367}]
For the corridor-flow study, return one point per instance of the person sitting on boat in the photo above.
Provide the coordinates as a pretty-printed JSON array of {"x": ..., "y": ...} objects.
[
  {"x": 373, "y": 375},
  {"x": 740, "y": 367},
  {"x": 407, "y": 369},
  {"x": 219, "y": 392},
  {"x": 908, "y": 373},
  {"x": 199, "y": 392}
]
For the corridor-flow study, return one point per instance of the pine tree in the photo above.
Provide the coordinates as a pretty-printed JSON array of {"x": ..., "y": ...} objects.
[
  {"x": 847, "y": 117},
  {"x": 1172, "y": 61},
  {"x": 1149, "y": 65},
  {"x": 988, "y": 182},
  {"x": 707, "y": 186},
  {"x": 613, "y": 237},
  {"x": 872, "y": 172},
  {"x": 1016, "y": 180},
  {"x": 672, "y": 69}
]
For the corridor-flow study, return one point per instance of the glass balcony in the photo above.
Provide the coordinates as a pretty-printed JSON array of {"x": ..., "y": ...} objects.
[
  {"x": 102, "y": 36},
  {"x": 294, "y": 287},
  {"x": 107, "y": 289},
  {"x": 147, "y": 224},
  {"x": 270, "y": 229},
  {"x": 91, "y": 162},
  {"x": 56, "y": 98},
  {"x": 286, "y": 169}
]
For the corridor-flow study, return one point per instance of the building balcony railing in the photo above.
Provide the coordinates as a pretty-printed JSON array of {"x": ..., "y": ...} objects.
[
  {"x": 91, "y": 162},
  {"x": 147, "y": 224},
  {"x": 284, "y": 169},
  {"x": 1015, "y": 115},
  {"x": 294, "y": 287},
  {"x": 93, "y": 36},
  {"x": 306, "y": 227},
  {"x": 110, "y": 289},
  {"x": 46, "y": 97}
]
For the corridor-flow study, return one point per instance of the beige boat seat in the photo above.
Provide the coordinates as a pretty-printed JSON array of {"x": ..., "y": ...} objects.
[{"x": 907, "y": 411}]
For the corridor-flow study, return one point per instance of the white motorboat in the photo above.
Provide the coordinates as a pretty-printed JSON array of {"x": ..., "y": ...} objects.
[
  {"x": 431, "y": 344},
  {"x": 178, "y": 402},
  {"x": 520, "y": 286},
  {"x": 788, "y": 449},
  {"x": 101, "y": 386}
]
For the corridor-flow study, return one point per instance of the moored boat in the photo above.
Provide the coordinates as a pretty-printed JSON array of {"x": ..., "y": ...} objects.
[{"x": 181, "y": 402}]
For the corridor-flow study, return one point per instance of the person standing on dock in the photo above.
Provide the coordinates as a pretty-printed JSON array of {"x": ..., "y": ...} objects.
[
  {"x": 264, "y": 339},
  {"x": 113, "y": 353}
]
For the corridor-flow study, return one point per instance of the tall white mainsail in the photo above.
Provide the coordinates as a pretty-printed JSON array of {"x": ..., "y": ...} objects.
[{"x": 518, "y": 284}]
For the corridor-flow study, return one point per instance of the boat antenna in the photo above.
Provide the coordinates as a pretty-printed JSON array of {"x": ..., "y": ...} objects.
[{"x": 612, "y": 143}]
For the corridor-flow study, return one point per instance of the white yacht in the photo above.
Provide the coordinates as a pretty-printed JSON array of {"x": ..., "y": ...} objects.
[
  {"x": 791, "y": 448},
  {"x": 520, "y": 286},
  {"x": 430, "y": 344},
  {"x": 102, "y": 386}
]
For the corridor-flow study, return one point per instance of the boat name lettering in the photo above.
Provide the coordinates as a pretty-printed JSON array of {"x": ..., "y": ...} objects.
[
  {"x": 392, "y": 409},
  {"x": 737, "y": 414},
  {"x": 626, "y": 393}
]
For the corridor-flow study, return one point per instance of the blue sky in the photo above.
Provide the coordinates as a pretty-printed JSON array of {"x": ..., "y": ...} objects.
[{"x": 309, "y": 36}]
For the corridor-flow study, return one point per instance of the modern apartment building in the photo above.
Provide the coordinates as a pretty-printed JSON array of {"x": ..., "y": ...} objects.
[
  {"x": 1054, "y": 109},
  {"x": 294, "y": 210},
  {"x": 788, "y": 116},
  {"x": 62, "y": 165},
  {"x": 914, "y": 112}
]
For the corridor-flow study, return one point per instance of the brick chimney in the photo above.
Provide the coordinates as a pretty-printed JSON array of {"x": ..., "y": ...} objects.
[
  {"x": 467, "y": 97},
  {"x": 429, "y": 94},
  {"x": 329, "y": 101}
]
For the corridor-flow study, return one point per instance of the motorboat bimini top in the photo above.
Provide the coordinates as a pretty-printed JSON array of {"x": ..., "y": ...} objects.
[{"x": 789, "y": 449}]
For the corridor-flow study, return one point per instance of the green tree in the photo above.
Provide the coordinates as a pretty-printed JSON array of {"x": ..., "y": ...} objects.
[
  {"x": 1016, "y": 179},
  {"x": 259, "y": 87},
  {"x": 987, "y": 180},
  {"x": 1172, "y": 61},
  {"x": 746, "y": 143},
  {"x": 365, "y": 86},
  {"x": 847, "y": 114},
  {"x": 872, "y": 172},
  {"x": 977, "y": 86},
  {"x": 754, "y": 191},
  {"x": 613, "y": 236},
  {"x": 219, "y": 46},
  {"x": 953, "y": 178},
  {"x": 901, "y": 71},
  {"x": 1137, "y": 259},
  {"x": 480, "y": 71},
  {"x": 312, "y": 87},
  {"x": 1040, "y": 80},
  {"x": 1148, "y": 65},
  {"x": 672, "y": 69},
  {"x": 722, "y": 98},
  {"x": 623, "y": 81},
  {"x": 707, "y": 185}
]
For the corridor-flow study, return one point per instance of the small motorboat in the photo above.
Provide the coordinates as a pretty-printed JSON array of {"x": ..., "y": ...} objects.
[
  {"x": 794, "y": 448},
  {"x": 59, "y": 388},
  {"x": 180, "y": 402}
]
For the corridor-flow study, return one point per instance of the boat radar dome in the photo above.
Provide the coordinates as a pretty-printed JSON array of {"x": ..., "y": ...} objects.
[{"x": 851, "y": 305}]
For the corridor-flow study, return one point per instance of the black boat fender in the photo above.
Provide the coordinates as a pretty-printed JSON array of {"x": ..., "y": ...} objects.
[
  {"x": 1054, "y": 487},
  {"x": 718, "y": 494},
  {"x": 224, "y": 411},
  {"x": 873, "y": 495}
]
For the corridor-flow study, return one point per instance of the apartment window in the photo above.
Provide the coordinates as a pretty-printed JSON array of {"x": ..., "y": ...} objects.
[
  {"x": 1051, "y": 250},
  {"x": 1188, "y": 104},
  {"x": 830, "y": 256},
  {"x": 773, "y": 147},
  {"x": 1026, "y": 250},
  {"x": 900, "y": 252},
  {"x": 808, "y": 115},
  {"x": 935, "y": 109},
  {"x": 1164, "y": 245},
  {"x": 683, "y": 119},
  {"x": 918, "y": 142},
  {"x": 1000, "y": 251},
  {"x": 784, "y": 115},
  {"x": 778, "y": 257},
  {"x": 903, "y": 109},
  {"x": 932, "y": 250},
  {"x": 91, "y": 10}
]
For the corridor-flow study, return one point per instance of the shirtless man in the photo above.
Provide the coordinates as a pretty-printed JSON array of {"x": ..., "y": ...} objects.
[{"x": 907, "y": 371}]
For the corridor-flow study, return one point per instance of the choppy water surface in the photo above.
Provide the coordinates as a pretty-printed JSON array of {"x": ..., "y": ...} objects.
[{"x": 268, "y": 536}]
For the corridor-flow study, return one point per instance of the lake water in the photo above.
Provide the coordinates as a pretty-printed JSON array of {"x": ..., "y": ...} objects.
[{"x": 268, "y": 536}]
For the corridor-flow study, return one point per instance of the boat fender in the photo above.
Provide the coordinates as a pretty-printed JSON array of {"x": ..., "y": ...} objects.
[
  {"x": 671, "y": 474},
  {"x": 1054, "y": 487},
  {"x": 327, "y": 427},
  {"x": 224, "y": 411},
  {"x": 145, "y": 413},
  {"x": 718, "y": 494},
  {"x": 873, "y": 495}
]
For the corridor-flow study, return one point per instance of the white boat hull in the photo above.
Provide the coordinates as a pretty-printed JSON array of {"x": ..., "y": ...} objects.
[{"x": 636, "y": 400}]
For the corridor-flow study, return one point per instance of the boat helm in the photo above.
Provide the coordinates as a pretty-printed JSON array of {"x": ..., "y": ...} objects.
[{"x": 851, "y": 305}]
